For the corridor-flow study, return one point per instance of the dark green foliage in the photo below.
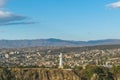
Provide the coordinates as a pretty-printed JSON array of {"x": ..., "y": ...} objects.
[
  {"x": 67, "y": 67},
  {"x": 96, "y": 73},
  {"x": 6, "y": 74},
  {"x": 116, "y": 69}
]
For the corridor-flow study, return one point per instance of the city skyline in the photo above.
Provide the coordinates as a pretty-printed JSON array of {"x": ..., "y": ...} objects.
[{"x": 61, "y": 19}]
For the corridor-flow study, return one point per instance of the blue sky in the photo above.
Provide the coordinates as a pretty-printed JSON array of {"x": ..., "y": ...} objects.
[{"x": 63, "y": 19}]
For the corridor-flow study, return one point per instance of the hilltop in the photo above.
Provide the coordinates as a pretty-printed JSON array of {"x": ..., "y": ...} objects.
[
  {"x": 54, "y": 42},
  {"x": 90, "y": 73}
]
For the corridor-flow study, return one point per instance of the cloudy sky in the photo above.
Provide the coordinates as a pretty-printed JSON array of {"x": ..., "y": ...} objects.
[{"x": 63, "y": 19}]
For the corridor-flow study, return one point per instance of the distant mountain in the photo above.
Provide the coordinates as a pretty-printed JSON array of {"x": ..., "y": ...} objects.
[{"x": 54, "y": 42}]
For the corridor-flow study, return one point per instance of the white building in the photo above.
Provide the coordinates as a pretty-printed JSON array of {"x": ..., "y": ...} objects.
[{"x": 6, "y": 56}]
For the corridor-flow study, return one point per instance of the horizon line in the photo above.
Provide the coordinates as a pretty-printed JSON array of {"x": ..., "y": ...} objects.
[{"x": 63, "y": 39}]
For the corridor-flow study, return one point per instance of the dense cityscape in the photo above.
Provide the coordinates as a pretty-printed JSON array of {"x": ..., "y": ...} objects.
[{"x": 49, "y": 56}]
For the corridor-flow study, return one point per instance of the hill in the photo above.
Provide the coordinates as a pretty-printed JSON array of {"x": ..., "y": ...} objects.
[
  {"x": 90, "y": 73},
  {"x": 54, "y": 42}
]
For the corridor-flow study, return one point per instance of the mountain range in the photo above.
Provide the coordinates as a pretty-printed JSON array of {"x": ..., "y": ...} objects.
[{"x": 54, "y": 42}]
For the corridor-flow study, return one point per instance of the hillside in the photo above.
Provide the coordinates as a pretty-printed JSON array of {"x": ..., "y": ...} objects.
[
  {"x": 90, "y": 73},
  {"x": 53, "y": 42}
]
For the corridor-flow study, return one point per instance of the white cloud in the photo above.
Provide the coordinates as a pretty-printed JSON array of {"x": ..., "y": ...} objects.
[
  {"x": 9, "y": 18},
  {"x": 6, "y": 17},
  {"x": 2, "y": 3},
  {"x": 114, "y": 5}
]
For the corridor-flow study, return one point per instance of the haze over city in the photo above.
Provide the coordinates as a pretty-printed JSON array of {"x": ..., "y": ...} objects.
[{"x": 62, "y": 19}]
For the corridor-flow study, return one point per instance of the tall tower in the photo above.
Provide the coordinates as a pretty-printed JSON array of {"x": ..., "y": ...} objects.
[{"x": 60, "y": 61}]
